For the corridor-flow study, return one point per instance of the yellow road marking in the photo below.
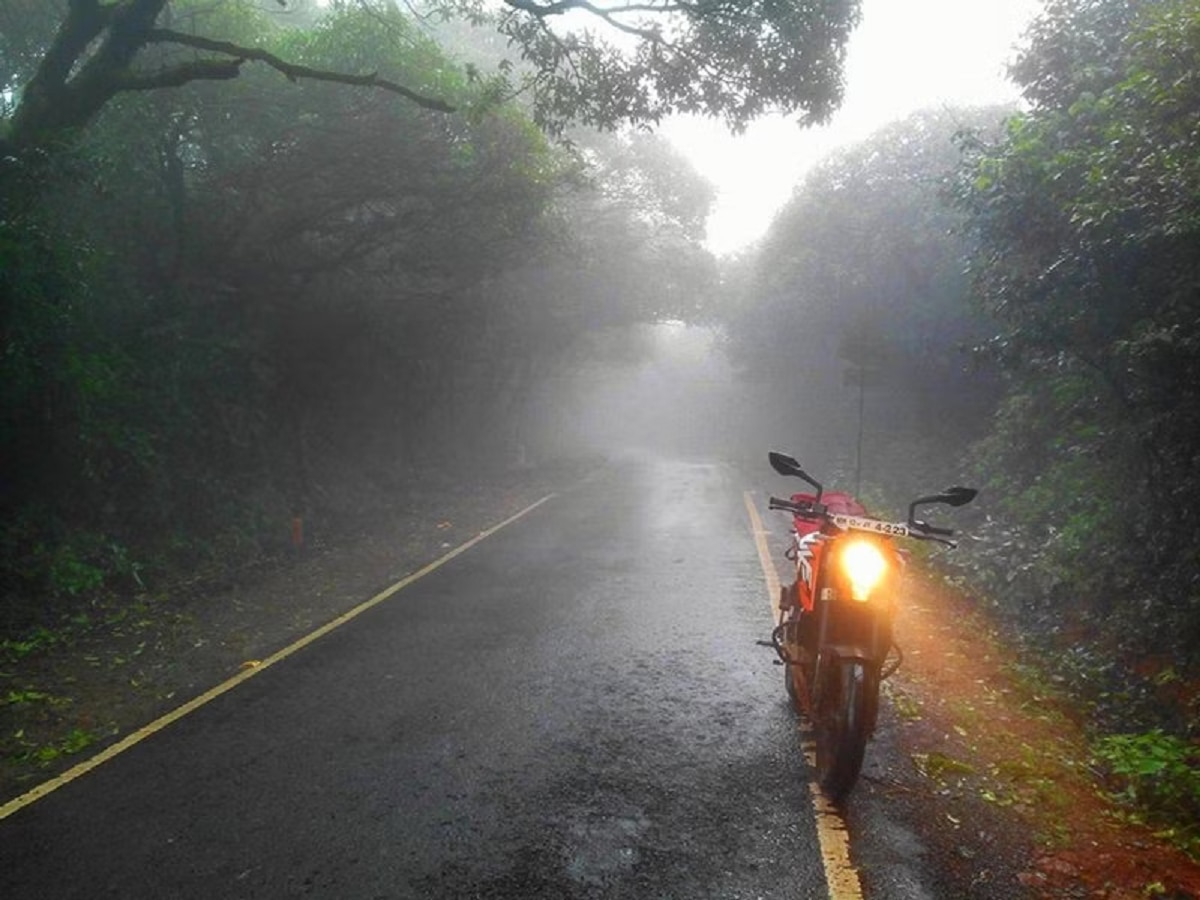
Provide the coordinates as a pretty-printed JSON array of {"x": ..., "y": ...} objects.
[
  {"x": 174, "y": 715},
  {"x": 764, "y": 557},
  {"x": 832, "y": 835}
]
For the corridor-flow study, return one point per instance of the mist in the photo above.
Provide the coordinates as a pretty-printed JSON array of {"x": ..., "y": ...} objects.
[
  {"x": 283, "y": 277},
  {"x": 675, "y": 398}
]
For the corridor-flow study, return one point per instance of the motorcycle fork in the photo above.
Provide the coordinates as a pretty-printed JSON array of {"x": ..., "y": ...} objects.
[
  {"x": 825, "y": 662},
  {"x": 824, "y": 600}
]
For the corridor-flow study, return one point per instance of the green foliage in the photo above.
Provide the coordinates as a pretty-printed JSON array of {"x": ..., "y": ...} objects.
[
  {"x": 70, "y": 575},
  {"x": 76, "y": 741},
  {"x": 1159, "y": 775},
  {"x": 734, "y": 61},
  {"x": 730, "y": 61},
  {"x": 1086, "y": 213},
  {"x": 216, "y": 320},
  {"x": 1059, "y": 511},
  {"x": 383, "y": 40},
  {"x": 24, "y": 697},
  {"x": 938, "y": 766},
  {"x": 34, "y": 641},
  {"x": 861, "y": 273},
  {"x": 1074, "y": 48}
]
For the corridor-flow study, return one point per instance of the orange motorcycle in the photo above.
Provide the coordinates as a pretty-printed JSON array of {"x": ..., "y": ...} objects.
[{"x": 834, "y": 635}]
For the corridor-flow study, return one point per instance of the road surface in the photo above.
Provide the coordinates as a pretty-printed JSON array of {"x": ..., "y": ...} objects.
[{"x": 574, "y": 707}]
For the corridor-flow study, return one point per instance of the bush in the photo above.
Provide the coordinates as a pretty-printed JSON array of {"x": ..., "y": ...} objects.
[{"x": 1159, "y": 775}]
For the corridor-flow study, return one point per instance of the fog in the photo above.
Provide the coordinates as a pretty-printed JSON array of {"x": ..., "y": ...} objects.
[
  {"x": 335, "y": 301},
  {"x": 679, "y": 396},
  {"x": 654, "y": 397},
  {"x": 671, "y": 389}
]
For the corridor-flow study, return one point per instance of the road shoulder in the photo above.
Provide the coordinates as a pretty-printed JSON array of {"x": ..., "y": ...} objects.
[{"x": 995, "y": 771}]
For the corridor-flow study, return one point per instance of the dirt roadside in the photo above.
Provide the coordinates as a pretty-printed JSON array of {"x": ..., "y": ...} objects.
[
  {"x": 141, "y": 657},
  {"x": 985, "y": 740},
  {"x": 977, "y": 736}
]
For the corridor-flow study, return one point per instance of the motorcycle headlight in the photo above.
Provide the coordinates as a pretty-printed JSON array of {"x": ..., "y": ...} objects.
[{"x": 864, "y": 566}]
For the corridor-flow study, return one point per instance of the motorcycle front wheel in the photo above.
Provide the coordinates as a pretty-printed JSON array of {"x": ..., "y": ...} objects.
[
  {"x": 842, "y": 727},
  {"x": 795, "y": 695}
]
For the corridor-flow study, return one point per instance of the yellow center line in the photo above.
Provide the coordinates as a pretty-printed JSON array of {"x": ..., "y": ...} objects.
[
  {"x": 841, "y": 877},
  {"x": 174, "y": 715}
]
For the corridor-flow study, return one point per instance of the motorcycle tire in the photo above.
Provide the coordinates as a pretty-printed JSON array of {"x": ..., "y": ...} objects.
[
  {"x": 796, "y": 679},
  {"x": 789, "y": 685},
  {"x": 842, "y": 727}
]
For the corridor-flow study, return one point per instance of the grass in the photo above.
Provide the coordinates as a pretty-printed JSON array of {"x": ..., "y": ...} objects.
[{"x": 75, "y": 741}]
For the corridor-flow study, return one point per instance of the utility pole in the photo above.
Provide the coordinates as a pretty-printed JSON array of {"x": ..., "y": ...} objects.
[{"x": 861, "y": 375}]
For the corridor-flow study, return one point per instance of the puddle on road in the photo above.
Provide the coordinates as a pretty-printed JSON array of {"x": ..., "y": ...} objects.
[{"x": 598, "y": 847}]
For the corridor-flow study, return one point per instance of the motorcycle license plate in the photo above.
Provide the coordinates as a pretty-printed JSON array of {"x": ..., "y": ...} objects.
[{"x": 858, "y": 523}]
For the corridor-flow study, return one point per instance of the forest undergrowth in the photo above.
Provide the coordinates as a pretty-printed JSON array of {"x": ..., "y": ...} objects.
[{"x": 988, "y": 728}]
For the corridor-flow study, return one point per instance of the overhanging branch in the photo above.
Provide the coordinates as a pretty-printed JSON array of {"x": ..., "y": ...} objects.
[
  {"x": 607, "y": 14},
  {"x": 177, "y": 76},
  {"x": 291, "y": 71},
  {"x": 560, "y": 7}
]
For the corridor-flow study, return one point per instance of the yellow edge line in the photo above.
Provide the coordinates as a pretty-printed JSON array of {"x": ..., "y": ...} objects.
[
  {"x": 764, "y": 556},
  {"x": 174, "y": 715},
  {"x": 841, "y": 877}
]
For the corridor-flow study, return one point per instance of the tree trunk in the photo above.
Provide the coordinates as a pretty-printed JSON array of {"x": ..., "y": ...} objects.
[{"x": 55, "y": 104}]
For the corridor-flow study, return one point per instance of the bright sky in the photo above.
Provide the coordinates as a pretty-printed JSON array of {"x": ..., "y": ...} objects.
[{"x": 904, "y": 56}]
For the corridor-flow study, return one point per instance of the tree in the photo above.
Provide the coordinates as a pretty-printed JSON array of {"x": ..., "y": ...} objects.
[
  {"x": 199, "y": 299},
  {"x": 100, "y": 50},
  {"x": 1086, "y": 214},
  {"x": 728, "y": 59},
  {"x": 217, "y": 318},
  {"x": 862, "y": 271}
]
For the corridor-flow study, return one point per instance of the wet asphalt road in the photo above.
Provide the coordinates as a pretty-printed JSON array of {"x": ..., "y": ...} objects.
[{"x": 573, "y": 708}]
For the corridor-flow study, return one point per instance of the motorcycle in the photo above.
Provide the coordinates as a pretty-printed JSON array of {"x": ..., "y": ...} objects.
[{"x": 835, "y": 629}]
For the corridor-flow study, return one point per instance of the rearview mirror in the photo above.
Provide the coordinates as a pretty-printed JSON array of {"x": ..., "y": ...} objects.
[
  {"x": 783, "y": 464},
  {"x": 958, "y": 496},
  {"x": 787, "y": 465},
  {"x": 953, "y": 496}
]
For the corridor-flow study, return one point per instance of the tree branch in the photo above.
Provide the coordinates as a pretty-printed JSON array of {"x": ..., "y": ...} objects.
[
  {"x": 609, "y": 16},
  {"x": 83, "y": 24},
  {"x": 177, "y": 76},
  {"x": 54, "y": 101},
  {"x": 560, "y": 7},
  {"x": 292, "y": 71},
  {"x": 606, "y": 15}
]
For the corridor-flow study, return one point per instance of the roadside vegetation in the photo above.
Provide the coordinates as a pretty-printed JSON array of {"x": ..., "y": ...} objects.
[
  {"x": 233, "y": 306},
  {"x": 1016, "y": 295}
]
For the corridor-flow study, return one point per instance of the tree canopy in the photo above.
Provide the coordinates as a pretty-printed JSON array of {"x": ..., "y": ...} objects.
[
  {"x": 860, "y": 276},
  {"x": 1084, "y": 225},
  {"x": 229, "y": 301},
  {"x": 633, "y": 63},
  {"x": 1059, "y": 244},
  {"x": 1087, "y": 218}
]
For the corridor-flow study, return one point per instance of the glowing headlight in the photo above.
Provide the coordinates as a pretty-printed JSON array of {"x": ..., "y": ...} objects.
[{"x": 864, "y": 566}]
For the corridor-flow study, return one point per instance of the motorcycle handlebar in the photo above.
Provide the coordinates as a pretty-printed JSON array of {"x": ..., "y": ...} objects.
[
  {"x": 801, "y": 509},
  {"x": 918, "y": 530},
  {"x": 926, "y": 528},
  {"x": 925, "y": 532}
]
